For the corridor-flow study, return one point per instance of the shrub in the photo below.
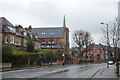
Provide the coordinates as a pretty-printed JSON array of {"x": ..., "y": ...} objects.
[
  {"x": 7, "y": 53},
  {"x": 30, "y": 46},
  {"x": 34, "y": 58},
  {"x": 20, "y": 58}
]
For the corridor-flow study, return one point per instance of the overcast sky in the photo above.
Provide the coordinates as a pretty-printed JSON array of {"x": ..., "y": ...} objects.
[{"x": 80, "y": 14}]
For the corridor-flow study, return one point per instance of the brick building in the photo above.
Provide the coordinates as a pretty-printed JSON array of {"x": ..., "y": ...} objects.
[
  {"x": 96, "y": 54},
  {"x": 58, "y": 37},
  {"x": 17, "y": 36}
]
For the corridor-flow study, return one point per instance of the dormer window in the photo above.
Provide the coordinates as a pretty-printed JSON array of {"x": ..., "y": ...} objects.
[
  {"x": 43, "y": 33},
  {"x": 52, "y": 33},
  {"x": 25, "y": 34},
  {"x": 30, "y": 35},
  {"x": 36, "y": 37},
  {"x": 12, "y": 28}
]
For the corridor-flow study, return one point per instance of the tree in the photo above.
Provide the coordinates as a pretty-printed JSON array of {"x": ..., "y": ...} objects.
[
  {"x": 82, "y": 40},
  {"x": 112, "y": 39},
  {"x": 30, "y": 46}
]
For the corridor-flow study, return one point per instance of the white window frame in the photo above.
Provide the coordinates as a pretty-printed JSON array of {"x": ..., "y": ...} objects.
[
  {"x": 25, "y": 42},
  {"x": 6, "y": 39},
  {"x": 12, "y": 39},
  {"x": 25, "y": 34},
  {"x": 12, "y": 28}
]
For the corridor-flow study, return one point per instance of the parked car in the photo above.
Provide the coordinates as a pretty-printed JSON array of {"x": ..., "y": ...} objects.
[{"x": 110, "y": 63}]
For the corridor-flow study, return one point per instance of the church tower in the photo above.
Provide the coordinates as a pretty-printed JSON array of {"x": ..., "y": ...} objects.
[{"x": 66, "y": 36}]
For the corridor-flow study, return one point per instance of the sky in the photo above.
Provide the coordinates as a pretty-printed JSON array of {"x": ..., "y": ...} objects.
[{"x": 80, "y": 14}]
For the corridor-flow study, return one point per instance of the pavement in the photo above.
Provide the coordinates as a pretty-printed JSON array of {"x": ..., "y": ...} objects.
[
  {"x": 105, "y": 72},
  {"x": 20, "y": 68},
  {"x": 100, "y": 71}
]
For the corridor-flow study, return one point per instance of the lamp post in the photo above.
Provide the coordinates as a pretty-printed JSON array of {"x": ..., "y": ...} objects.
[
  {"x": 63, "y": 54},
  {"x": 51, "y": 48},
  {"x": 107, "y": 42}
]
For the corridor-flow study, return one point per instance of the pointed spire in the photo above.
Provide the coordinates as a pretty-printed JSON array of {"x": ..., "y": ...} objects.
[{"x": 64, "y": 22}]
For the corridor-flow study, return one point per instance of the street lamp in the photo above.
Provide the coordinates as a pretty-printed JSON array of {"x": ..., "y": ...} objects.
[
  {"x": 51, "y": 47},
  {"x": 107, "y": 41},
  {"x": 63, "y": 54}
]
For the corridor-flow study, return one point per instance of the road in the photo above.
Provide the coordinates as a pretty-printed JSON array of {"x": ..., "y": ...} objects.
[{"x": 58, "y": 71}]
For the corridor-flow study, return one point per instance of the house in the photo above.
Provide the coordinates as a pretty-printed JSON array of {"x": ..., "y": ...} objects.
[
  {"x": 97, "y": 53},
  {"x": 17, "y": 36}
]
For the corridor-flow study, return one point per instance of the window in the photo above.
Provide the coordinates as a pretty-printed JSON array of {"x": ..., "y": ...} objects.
[
  {"x": 43, "y": 33},
  {"x": 25, "y": 42},
  {"x": 51, "y": 41},
  {"x": 11, "y": 39},
  {"x": 36, "y": 37},
  {"x": 25, "y": 34},
  {"x": 18, "y": 41},
  {"x": 98, "y": 56},
  {"x": 6, "y": 39},
  {"x": 52, "y": 33},
  {"x": 48, "y": 46},
  {"x": 12, "y": 28},
  {"x": 43, "y": 40},
  {"x": 31, "y": 35}
]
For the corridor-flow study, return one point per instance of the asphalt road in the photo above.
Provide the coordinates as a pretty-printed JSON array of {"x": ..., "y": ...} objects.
[{"x": 58, "y": 71}]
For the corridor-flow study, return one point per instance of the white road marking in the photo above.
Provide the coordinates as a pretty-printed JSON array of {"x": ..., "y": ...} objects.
[
  {"x": 14, "y": 71},
  {"x": 75, "y": 76}
]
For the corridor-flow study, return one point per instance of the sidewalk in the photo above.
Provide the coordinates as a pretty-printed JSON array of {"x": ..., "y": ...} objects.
[
  {"x": 20, "y": 68},
  {"x": 28, "y": 67},
  {"x": 106, "y": 72}
]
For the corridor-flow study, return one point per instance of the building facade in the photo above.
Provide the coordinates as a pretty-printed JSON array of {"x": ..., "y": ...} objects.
[
  {"x": 96, "y": 54},
  {"x": 16, "y": 36},
  {"x": 54, "y": 37},
  {"x": 43, "y": 38}
]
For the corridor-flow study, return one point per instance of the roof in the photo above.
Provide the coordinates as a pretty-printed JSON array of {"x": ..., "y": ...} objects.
[
  {"x": 4, "y": 21},
  {"x": 48, "y": 46},
  {"x": 99, "y": 46},
  {"x": 55, "y": 32}
]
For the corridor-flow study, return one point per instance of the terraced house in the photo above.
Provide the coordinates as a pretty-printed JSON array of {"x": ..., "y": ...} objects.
[
  {"x": 45, "y": 38},
  {"x": 17, "y": 36}
]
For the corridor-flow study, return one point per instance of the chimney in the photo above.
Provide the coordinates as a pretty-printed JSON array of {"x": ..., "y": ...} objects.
[
  {"x": 30, "y": 28},
  {"x": 18, "y": 28}
]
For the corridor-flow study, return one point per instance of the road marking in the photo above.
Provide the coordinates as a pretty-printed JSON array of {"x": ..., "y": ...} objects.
[
  {"x": 14, "y": 71},
  {"x": 75, "y": 76},
  {"x": 95, "y": 73}
]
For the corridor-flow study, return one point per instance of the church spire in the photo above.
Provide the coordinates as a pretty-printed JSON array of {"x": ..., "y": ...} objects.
[{"x": 64, "y": 22}]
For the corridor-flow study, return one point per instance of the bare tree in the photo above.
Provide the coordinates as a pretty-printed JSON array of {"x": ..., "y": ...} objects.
[
  {"x": 113, "y": 36},
  {"x": 82, "y": 40}
]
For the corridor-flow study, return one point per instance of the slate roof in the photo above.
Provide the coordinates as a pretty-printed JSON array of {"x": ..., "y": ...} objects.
[
  {"x": 46, "y": 32},
  {"x": 5, "y": 22},
  {"x": 99, "y": 46}
]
